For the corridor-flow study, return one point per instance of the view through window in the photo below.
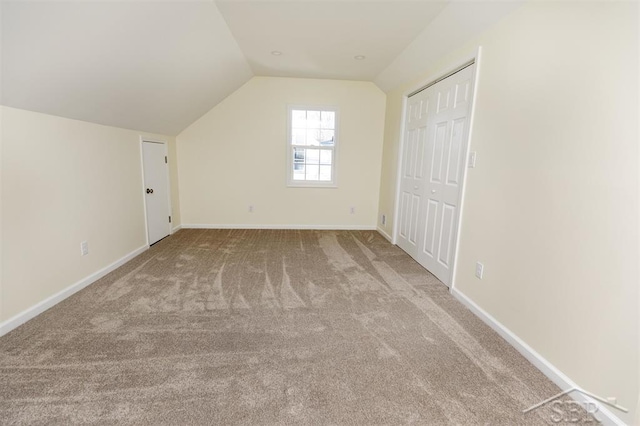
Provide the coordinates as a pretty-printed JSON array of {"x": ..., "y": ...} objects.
[{"x": 312, "y": 143}]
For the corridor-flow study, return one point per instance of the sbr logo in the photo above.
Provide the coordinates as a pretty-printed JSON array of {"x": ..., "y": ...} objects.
[
  {"x": 574, "y": 412},
  {"x": 568, "y": 411}
]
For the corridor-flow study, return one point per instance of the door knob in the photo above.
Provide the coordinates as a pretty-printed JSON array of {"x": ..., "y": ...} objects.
[
  {"x": 149, "y": 191},
  {"x": 433, "y": 191},
  {"x": 415, "y": 187}
]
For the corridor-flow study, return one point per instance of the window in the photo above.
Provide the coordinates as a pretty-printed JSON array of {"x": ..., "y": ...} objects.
[{"x": 311, "y": 146}]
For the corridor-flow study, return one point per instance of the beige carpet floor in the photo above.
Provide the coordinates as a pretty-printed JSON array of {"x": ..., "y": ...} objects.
[{"x": 266, "y": 327}]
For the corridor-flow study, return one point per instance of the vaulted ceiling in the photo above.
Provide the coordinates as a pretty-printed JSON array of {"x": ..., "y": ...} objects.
[{"x": 157, "y": 66}]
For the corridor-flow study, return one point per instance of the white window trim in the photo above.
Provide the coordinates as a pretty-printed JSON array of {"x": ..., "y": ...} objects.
[{"x": 305, "y": 183}]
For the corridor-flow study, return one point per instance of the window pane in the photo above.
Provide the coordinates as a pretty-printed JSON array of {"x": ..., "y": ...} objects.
[
  {"x": 328, "y": 119},
  {"x": 313, "y": 137},
  {"x": 298, "y": 154},
  {"x": 312, "y": 156},
  {"x": 312, "y": 172},
  {"x": 327, "y": 137},
  {"x": 325, "y": 173},
  {"x": 313, "y": 119},
  {"x": 298, "y": 118},
  {"x": 298, "y": 136},
  {"x": 325, "y": 156},
  {"x": 298, "y": 174}
]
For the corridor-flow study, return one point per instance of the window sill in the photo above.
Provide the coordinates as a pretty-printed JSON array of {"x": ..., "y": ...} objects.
[{"x": 312, "y": 185}]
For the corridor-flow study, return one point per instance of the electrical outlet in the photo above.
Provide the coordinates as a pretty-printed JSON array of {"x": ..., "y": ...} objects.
[
  {"x": 479, "y": 270},
  {"x": 250, "y": 208},
  {"x": 384, "y": 219},
  {"x": 84, "y": 248},
  {"x": 352, "y": 210}
]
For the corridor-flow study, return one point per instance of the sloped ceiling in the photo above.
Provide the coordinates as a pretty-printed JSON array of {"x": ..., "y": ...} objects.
[
  {"x": 148, "y": 66},
  {"x": 457, "y": 23},
  {"x": 157, "y": 66}
]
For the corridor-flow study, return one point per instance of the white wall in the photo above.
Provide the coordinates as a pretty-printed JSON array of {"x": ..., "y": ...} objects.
[
  {"x": 235, "y": 156},
  {"x": 552, "y": 207},
  {"x": 65, "y": 181}
]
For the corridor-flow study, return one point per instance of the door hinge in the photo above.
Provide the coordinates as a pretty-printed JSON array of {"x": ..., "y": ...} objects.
[
  {"x": 165, "y": 159},
  {"x": 169, "y": 219}
]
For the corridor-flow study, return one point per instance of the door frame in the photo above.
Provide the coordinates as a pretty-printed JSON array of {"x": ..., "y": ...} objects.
[
  {"x": 474, "y": 58},
  {"x": 144, "y": 139}
]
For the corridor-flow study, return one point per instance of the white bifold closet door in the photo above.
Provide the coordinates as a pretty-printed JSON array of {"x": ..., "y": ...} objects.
[{"x": 432, "y": 170}]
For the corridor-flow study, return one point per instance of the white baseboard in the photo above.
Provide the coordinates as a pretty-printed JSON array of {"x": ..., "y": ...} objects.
[
  {"x": 384, "y": 234},
  {"x": 176, "y": 229},
  {"x": 552, "y": 372},
  {"x": 49, "y": 302},
  {"x": 253, "y": 226}
]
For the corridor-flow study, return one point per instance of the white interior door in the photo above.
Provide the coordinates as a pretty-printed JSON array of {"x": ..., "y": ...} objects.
[
  {"x": 156, "y": 188},
  {"x": 443, "y": 155}
]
